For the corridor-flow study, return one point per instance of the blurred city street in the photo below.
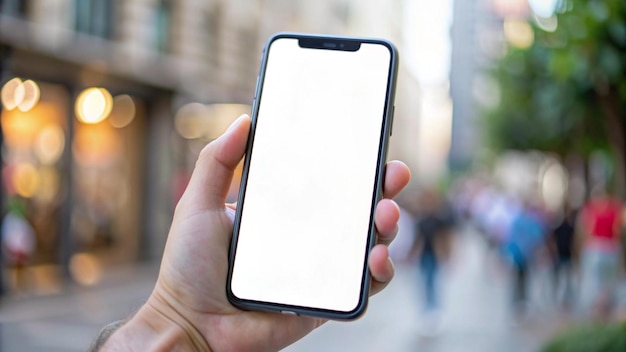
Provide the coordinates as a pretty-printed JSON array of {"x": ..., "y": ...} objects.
[
  {"x": 509, "y": 114},
  {"x": 475, "y": 313}
]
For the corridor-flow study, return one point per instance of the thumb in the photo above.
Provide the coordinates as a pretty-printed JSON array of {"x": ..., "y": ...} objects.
[{"x": 214, "y": 168}]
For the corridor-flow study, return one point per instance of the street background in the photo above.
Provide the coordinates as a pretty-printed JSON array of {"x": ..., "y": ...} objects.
[
  {"x": 511, "y": 115},
  {"x": 476, "y": 317}
]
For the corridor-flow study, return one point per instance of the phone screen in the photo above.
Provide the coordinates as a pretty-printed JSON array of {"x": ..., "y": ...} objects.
[{"x": 310, "y": 191}]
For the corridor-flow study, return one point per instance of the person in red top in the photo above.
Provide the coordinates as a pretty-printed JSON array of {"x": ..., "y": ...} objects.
[{"x": 600, "y": 225}]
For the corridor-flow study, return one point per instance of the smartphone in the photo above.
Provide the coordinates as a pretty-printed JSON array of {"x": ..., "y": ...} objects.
[{"x": 312, "y": 176}]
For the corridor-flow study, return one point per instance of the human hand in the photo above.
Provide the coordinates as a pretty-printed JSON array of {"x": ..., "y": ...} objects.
[{"x": 188, "y": 308}]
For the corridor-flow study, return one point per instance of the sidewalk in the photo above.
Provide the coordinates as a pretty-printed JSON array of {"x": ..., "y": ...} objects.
[
  {"x": 69, "y": 321},
  {"x": 475, "y": 314}
]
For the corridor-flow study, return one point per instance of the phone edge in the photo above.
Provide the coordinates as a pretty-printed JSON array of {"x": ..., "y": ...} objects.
[{"x": 361, "y": 306}]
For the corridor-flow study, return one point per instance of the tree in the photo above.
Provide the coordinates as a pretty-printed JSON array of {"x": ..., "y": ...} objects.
[{"x": 566, "y": 92}]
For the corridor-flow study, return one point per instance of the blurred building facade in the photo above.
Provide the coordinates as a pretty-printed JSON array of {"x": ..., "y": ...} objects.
[
  {"x": 478, "y": 39},
  {"x": 463, "y": 69},
  {"x": 173, "y": 75},
  {"x": 385, "y": 19}
]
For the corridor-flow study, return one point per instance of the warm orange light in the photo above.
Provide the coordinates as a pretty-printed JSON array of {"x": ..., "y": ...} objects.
[
  {"x": 93, "y": 105},
  {"x": 25, "y": 180},
  {"x": 49, "y": 144},
  {"x": 85, "y": 269},
  {"x": 21, "y": 129},
  {"x": 123, "y": 111},
  {"x": 48, "y": 184},
  {"x": 96, "y": 144}
]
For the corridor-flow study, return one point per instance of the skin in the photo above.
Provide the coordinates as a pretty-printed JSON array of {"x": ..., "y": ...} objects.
[{"x": 188, "y": 309}]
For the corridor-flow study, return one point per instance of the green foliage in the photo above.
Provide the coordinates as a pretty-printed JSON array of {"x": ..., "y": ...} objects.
[
  {"x": 599, "y": 338},
  {"x": 556, "y": 94},
  {"x": 16, "y": 206}
]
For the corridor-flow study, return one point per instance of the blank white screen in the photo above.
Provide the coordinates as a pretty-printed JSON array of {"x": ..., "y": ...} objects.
[{"x": 305, "y": 219}]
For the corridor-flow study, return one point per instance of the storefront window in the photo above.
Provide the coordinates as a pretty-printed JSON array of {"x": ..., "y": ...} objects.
[
  {"x": 35, "y": 137},
  {"x": 108, "y": 178},
  {"x": 73, "y": 196}
]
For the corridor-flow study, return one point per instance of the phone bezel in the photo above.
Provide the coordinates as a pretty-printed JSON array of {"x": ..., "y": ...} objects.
[{"x": 318, "y": 42}]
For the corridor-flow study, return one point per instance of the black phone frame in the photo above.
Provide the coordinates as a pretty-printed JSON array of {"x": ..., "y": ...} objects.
[{"x": 324, "y": 42}]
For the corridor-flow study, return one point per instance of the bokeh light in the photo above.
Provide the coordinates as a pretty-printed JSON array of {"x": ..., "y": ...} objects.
[
  {"x": 30, "y": 95},
  {"x": 196, "y": 120},
  {"x": 12, "y": 93},
  {"x": 221, "y": 116},
  {"x": 518, "y": 33},
  {"x": 49, "y": 144},
  {"x": 96, "y": 144},
  {"x": 49, "y": 180},
  {"x": 21, "y": 129},
  {"x": 23, "y": 95},
  {"x": 543, "y": 8},
  {"x": 85, "y": 269},
  {"x": 554, "y": 185},
  {"x": 189, "y": 120},
  {"x": 548, "y": 24},
  {"x": 93, "y": 105},
  {"x": 123, "y": 112},
  {"x": 25, "y": 179}
]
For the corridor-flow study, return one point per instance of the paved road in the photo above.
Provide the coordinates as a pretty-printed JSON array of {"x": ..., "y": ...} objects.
[{"x": 475, "y": 315}]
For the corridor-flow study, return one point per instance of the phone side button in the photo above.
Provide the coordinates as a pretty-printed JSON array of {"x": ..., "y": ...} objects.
[
  {"x": 256, "y": 87},
  {"x": 287, "y": 312},
  {"x": 393, "y": 113}
]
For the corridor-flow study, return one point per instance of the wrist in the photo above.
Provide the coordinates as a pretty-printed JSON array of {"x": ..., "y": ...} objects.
[{"x": 156, "y": 327}]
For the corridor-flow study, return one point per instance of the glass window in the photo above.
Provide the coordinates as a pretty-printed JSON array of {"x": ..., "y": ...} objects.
[
  {"x": 94, "y": 17},
  {"x": 212, "y": 24},
  {"x": 163, "y": 21},
  {"x": 16, "y": 8}
]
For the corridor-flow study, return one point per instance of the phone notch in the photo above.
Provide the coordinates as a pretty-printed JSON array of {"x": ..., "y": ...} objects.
[{"x": 329, "y": 44}]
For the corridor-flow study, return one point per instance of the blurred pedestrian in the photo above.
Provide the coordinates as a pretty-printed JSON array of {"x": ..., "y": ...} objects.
[
  {"x": 600, "y": 226},
  {"x": 562, "y": 245},
  {"x": 498, "y": 218},
  {"x": 431, "y": 246},
  {"x": 526, "y": 235}
]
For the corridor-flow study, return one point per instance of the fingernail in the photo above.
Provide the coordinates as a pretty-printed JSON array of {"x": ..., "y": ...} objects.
[
  {"x": 391, "y": 269},
  {"x": 235, "y": 123}
]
